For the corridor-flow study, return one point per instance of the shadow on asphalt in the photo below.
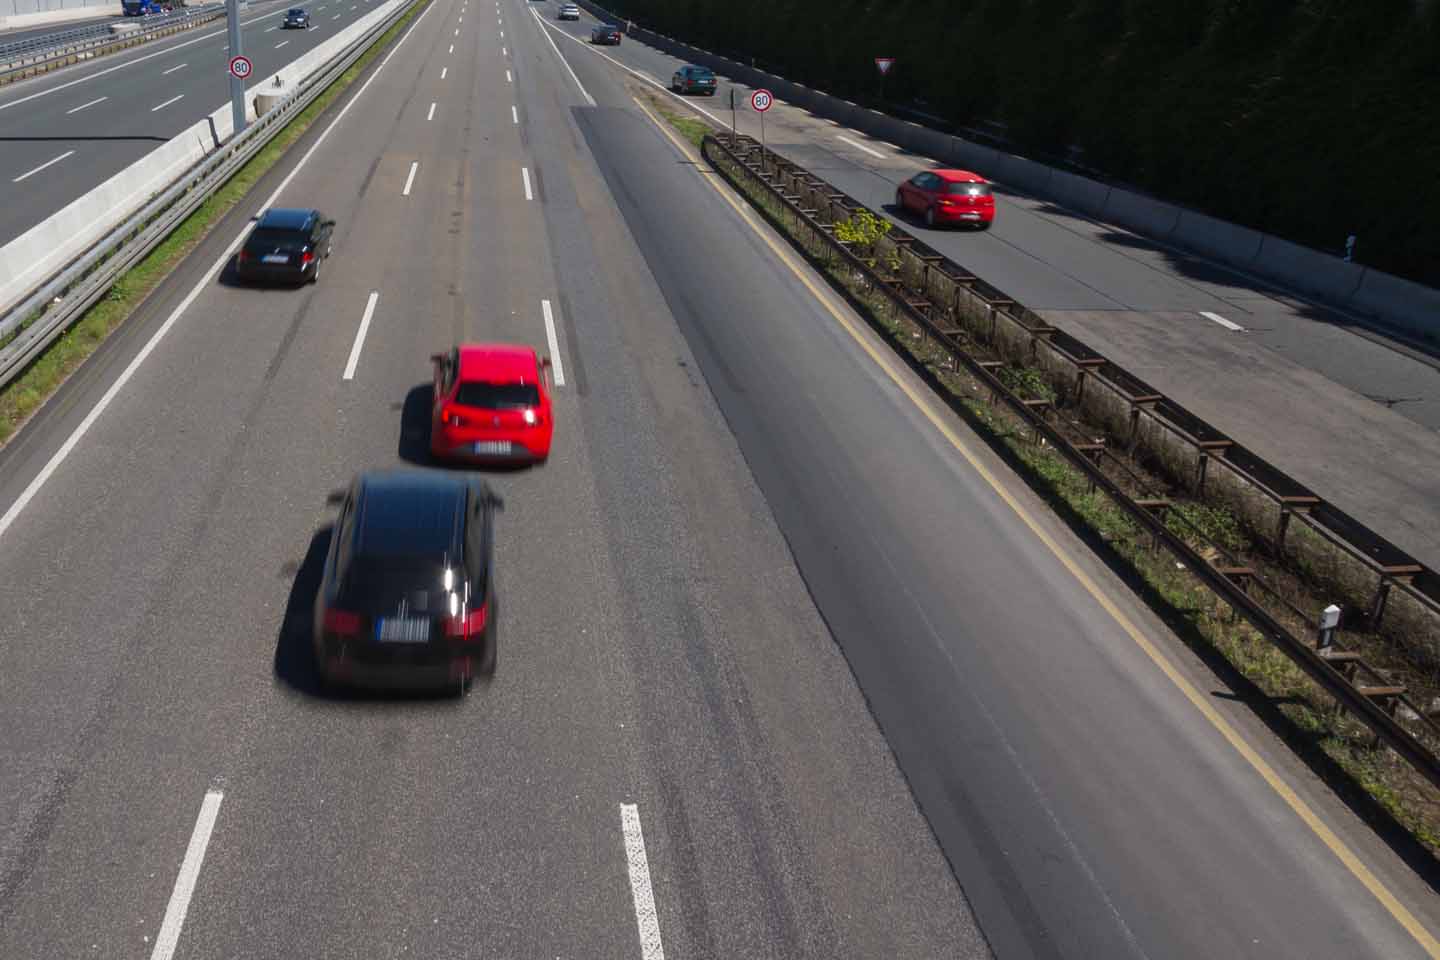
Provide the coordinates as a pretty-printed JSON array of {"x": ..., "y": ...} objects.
[{"x": 414, "y": 445}]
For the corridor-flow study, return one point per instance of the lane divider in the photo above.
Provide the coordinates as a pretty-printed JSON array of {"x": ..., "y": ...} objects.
[
  {"x": 525, "y": 175},
  {"x": 647, "y": 919},
  {"x": 360, "y": 336},
  {"x": 47, "y": 163},
  {"x": 179, "y": 904},
  {"x": 557, "y": 366},
  {"x": 410, "y": 180}
]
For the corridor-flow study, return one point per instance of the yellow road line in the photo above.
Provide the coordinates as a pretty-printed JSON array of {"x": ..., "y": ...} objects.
[{"x": 889, "y": 364}]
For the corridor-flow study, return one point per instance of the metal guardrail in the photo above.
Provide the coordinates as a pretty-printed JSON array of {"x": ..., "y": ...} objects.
[
  {"x": 26, "y": 58},
  {"x": 55, "y": 306},
  {"x": 1339, "y": 682}
]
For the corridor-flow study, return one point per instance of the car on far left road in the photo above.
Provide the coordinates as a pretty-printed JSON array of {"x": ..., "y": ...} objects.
[
  {"x": 605, "y": 33},
  {"x": 947, "y": 197},
  {"x": 286, "y": 245},
  {"x": 693, "y": 79},
  {"x": 569, "y": 12},
  {"x": 296, "y": 18}
]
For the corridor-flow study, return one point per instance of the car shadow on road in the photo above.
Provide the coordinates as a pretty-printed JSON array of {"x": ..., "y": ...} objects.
[
  {"x": 295, "y": 666},
  {"x": 414, "y": 444}
]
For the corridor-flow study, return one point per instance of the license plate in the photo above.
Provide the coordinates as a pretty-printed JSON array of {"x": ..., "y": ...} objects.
[
  {"x": 275, "y": 258},
  {"x": 402, "y": 630},
  {"x": 492, "y": 447}
]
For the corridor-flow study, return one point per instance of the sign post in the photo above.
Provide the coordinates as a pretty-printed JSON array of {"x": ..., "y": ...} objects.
[
  {"x": 733, "y": 99},
  {"x": 883, "y": 64},
  {"x": 239, "y": 65},
  {"x": 761, "y": 101}
]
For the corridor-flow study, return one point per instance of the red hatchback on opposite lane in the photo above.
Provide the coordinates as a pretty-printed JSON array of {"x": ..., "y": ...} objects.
[
  {"x": 946, "y": 197},
  {"x": 490, "y": 404}
]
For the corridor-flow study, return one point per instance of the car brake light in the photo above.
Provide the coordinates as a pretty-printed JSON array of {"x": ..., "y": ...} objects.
[
  {"x": 342, "y": 622},
  {"x": 244, "y": 255},
  {"x": 306, "y": 257},
  {"x": 468, "y": 627}
]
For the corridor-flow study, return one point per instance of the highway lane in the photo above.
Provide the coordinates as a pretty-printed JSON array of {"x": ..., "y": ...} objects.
[
  {"x": 108, "y": 113},
  {"x": 646, "y": 594},
  {"x": 1349, "y": 413}
]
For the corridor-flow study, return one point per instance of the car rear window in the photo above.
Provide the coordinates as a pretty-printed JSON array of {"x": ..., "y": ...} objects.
[
  {"x": 497, "y": 396},
  {"x": 969, "y": 189},
  {"x": 379, "y": 584},
  {"x": 284, "y": 239}
]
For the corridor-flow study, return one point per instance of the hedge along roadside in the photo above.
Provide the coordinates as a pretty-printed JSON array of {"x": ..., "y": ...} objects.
[
  {"x": 1259, "y": 654},
  {"x": 29, "y": 391}
]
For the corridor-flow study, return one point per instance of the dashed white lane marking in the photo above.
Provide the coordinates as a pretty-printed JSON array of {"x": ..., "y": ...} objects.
[
  {"x": 336, "y": 17},
  {"x": 431, "y": 114},
  {"x": 860, "y": 146},
  {"x": 360, "y": 336},
  {"x": 174, "y": 920},
  {"x": 1227, "y": 324},
  {"x": 409, "y": 180},
  {"x": 166, "y": 73},
  {"x": 647, "y": 921},
  {"x": 443, "y": 72},
  {"x": 504, "y": 52},
  {"x": 47, "y": 163},
  {"x": 514, "y": 114},
  {"x": 452, "y": 48},
  {"x": 508, "y": 78},
  {"x": 281, "y": 44},
  {"x": 271, "y": 29},
  {"x": 90, "y": 104},
  {"x": 525, "y": 175},
  {"x": 460, "y": 20},
  {"x": 457, "y": 31},
  {"x": 206, "y": 279},
  {"x": 589, "y": 99},
  {"x": 162, "y": 106},
  {"x": 556, "y": 364}
]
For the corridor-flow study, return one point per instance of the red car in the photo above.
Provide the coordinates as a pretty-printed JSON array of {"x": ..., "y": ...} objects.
[
  {"x": 490, "y": 404},
  {"x": 948, "y": 196}
]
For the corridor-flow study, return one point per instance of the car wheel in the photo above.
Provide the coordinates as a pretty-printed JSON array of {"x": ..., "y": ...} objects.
[
  {"x": 900, "y": 201},
  {"x": 315, "y": 274},
  {"x": 984, "y": 224},
  {"x": 491, "y": 656},
  {"x": 929, "y": 216}
]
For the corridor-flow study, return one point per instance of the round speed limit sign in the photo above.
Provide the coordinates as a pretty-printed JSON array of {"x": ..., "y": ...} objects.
[
  {"x": 240, "y": 67},
  {"x": 761, "y": 100}
]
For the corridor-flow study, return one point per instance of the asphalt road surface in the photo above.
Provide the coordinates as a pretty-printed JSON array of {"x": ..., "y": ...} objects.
[
  {"x": 67, "y": 131},
  {"x": 777, "y": 660}
]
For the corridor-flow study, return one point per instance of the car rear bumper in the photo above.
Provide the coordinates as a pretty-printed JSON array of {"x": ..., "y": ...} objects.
[
  {"x": 963, "y": 215},
  {"x": 524, "y": 447},
  {"x": 269, "y": 273}
]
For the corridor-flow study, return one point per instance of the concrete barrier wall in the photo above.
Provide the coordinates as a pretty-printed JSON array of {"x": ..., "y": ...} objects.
[
  {"x": 1401, "y": 303},
  {"x": 16, "y": 14},
  {"x": 1217, "y": 239},
  {"x": 47, "y": 247},
  {"x": 1079, "y": 193},
  {"x": 1294, "y": 266}
]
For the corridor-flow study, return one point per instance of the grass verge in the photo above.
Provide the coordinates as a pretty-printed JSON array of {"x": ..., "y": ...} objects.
[
  {"x": 25, "y": 394},
  {"x": 1385, "y": 791}
]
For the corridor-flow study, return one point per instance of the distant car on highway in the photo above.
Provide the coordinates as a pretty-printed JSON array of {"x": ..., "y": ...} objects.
[
  {"x": 569, "y": 12},
  {"x": 407, "y": 598},
  {"x": 287, "y": 244},
  {"x": 296, "y": 17},
  {"x": 605, "y": 33},
  {"x": 944, "y": 197},
  {"x": 490, "y": 404},
  {"x": 693, "y": 79}
]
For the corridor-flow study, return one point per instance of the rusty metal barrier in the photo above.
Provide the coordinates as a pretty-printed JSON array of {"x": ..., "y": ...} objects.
[{"x": 942, "y": 299}]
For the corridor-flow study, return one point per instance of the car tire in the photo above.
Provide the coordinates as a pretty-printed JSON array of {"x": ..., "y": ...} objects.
[
  {"x": 984, "y": 225},
  {"x": 900, "y": 201},
  {"x": 491, "y": 657},
  {"x": 930, "y": 217},
  {"x": 315, "y": 274}
]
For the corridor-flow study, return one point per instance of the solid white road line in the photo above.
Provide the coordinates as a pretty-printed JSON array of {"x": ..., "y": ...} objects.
[
  {"x": 130, "y": 63},
  {"x": 443, "y": 71},
  {"x": 514, "y": 114},
  {"x": 206, "y": 279},
  {"x": 360, "y": 336},
  {"x": 508, "y": 78},
  {"x": 162, "y": 106},
  {"x": 90, "y": 104},
  {"x": 860, "y": 146},
  {"x": 1227, "y": 324},
  {"x": 25, "y": 176},
  {"x": 410, "y": 179},
  {"x": 169, "y": 934},
  {"x": 647, "y": 921},
  {"x": 525, "y": 174},
  {"x": 166, "y": 73},
  {"x": 431, "y": 114},
  {"x": 546, "y": 34},
  {"x": 281, "y": 44},
  {"x": 556, "y": 364}
]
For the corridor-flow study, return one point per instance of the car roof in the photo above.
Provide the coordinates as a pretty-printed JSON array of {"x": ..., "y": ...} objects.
[
  {"x": 287, "y": 218},
  {"x": 410, "y": 513},
  {"x": 959, "y": 176},
  {"x": 498, "y": 361}
]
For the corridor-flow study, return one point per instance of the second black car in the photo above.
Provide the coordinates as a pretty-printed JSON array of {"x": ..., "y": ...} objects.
[{"x": 286, "y": 245}]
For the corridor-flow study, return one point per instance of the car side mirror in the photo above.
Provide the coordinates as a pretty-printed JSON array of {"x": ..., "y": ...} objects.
[
  {"x": 335, "y": 497},
  {"x": 437, "y": 358},
  {"x": 328, "y": 223}
]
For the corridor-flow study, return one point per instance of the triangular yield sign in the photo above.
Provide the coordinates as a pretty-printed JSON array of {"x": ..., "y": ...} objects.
[{"x": 884, "y": 63}]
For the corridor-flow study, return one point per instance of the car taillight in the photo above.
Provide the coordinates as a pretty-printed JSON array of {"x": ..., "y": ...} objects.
[
  {"x": 452, "y": 417},
  {"x": 244, "y": 255},
  {"x": 342, "y": 622},
  {"x": 468, "y": 627},
  {"x": 306, "y": 257}
]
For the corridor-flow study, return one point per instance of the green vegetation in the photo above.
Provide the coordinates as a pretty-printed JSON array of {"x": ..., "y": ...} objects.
[
  {"x": 24, "y": 395},
  {"x": 1307, "y": 118}
]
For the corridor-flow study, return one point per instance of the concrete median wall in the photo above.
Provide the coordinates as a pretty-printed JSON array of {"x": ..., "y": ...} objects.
[
  {"x": 1406, "y": 306},
  {"x": 17, "y": 14},
  {"x": 49, "y": 246}
]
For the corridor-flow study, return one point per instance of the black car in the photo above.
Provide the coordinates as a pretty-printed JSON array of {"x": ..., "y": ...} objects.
[
  {"x": 606, "y": 33},
  {"x": 286, "y": 244},
  {"x": 407, "y": 596},
  {"x": 693, "y": 79},
  {"x": 296, "y": 17}
]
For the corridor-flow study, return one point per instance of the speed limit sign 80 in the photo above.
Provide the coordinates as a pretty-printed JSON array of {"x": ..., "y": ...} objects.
[
  {"x": 761, "y": 100},
  {"x": 240, "y": 67}
]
